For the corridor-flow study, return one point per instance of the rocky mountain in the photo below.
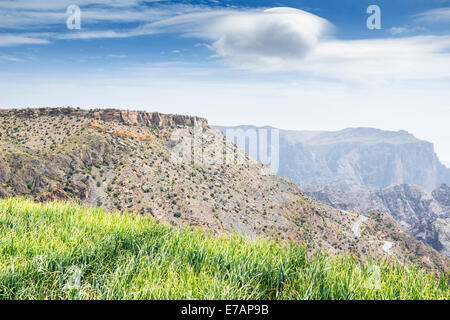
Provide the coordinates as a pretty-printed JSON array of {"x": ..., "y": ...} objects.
[
  {"x": 180, "y": 171},
  {"x": 425, "y": 216},
  {"x": 356, "y": 158}
]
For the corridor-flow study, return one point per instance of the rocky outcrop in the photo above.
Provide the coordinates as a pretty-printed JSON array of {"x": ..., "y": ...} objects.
[
  {"x": 425, "y": 216},
  {"x": 126, "y": 117}
]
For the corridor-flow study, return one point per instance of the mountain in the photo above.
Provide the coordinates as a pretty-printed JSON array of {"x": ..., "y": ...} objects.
[
  {"x": 161, "y": 166},
  {"x": 346, "y": 169},
  {"x": 425, "y": 216},
  {"x": 357, "y": 158}
]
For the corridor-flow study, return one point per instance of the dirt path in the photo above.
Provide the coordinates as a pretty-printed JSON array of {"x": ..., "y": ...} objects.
[
  {"x": 387, "y": 245},
  {"x": 357, "y": 224}
]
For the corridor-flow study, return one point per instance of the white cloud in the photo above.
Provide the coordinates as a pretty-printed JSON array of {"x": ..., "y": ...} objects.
[
  {"x": 434, "y": 15},
  {"x": 275, "y": 35},
  {"x": 252, "y": 36},
  {"x": 7, "y": 40}
]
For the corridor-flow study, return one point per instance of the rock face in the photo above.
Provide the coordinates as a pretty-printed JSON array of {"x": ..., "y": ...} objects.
[
  {"x": 425, "y": 216},
  {"x": 358, "y": 158},
  {"x": 126, "y": 117},
  {"x": 442, "y": 195},
  {"x": 159, "y": 165}
]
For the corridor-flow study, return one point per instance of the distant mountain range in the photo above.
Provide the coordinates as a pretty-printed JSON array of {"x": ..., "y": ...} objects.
[
  {"x": 364, "y": 169},
  {"x": 358, "y": 158}
]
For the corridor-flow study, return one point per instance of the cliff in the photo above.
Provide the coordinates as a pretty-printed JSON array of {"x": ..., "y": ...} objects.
[{"x": 356, "y": 158}]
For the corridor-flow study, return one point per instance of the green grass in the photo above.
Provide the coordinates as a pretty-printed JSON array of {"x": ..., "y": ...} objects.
[{"x": 66, "y": 251}]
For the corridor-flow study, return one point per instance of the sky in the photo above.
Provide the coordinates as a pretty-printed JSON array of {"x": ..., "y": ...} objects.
[{"x": 301, "y": 65}]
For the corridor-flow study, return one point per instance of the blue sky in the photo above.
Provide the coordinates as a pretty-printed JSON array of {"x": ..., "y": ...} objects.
[{"x": 311, "y": 65}]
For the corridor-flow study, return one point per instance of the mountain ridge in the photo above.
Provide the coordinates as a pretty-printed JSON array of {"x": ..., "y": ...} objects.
[{"x": 355, "y": 158}]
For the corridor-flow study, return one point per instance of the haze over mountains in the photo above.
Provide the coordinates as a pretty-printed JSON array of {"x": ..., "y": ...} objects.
[
  {"x": 125, "y": 160},
  {"x": 358, "y": 158}
]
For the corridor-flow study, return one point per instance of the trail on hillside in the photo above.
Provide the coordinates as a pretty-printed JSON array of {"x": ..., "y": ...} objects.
[{"x": 357, "y": 224}]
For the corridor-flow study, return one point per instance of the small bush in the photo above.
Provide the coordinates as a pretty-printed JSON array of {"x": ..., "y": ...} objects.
[{"x": 177, "y": 214}]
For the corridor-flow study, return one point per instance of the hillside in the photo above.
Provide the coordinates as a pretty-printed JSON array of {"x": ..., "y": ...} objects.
[
  {"x": 66, "y": 251},
  {"x": 129, "y": 161},
  {"x": 425, "y": 216},
  {"x": 358, "y": 158}
]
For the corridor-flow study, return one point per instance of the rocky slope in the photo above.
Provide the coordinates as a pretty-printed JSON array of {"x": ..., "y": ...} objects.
[
  {"x": 356, "y": 158},
  {"x": 425, "y": 216},
  {"x": 442, "y": 195},
  {"x": 160, "y": 165}
]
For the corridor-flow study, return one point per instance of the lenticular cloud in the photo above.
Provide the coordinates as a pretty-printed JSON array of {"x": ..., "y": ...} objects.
[
  {"x": 252, "y": 37},
  {"x": 275, "y": 34}
]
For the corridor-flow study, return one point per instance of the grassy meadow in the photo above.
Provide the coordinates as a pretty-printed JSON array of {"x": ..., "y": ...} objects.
[{"x": 68, "y": 251}]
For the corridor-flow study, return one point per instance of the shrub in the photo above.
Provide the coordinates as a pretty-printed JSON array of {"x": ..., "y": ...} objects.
[{"x": 177, "y": 214}]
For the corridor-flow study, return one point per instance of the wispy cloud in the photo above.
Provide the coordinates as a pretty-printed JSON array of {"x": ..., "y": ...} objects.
[
  {"x": 405, "y": 30},
  {"x": 382, "y": 60},
  {"x": 62, "y": 4},
  {"x": 10, "y": 58},
  {"x": 397, "y": 30},
  {"x": 434, "y": 15},
  {"x": 101, "y": 34},
  {"x": 20, "y": 14},
  {"x": 8, "y": 40},
  {"x": 117, "y": 56}
]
